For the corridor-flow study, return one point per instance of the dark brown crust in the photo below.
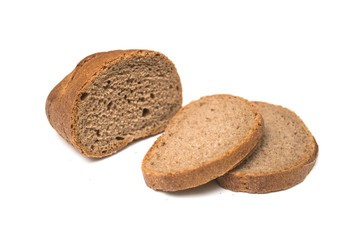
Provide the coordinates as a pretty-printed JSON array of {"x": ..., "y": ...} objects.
[
  {"x": 61, "y": 103},
  {"x": 189, "y": 178},
  {"x": 265, "y": 182}
]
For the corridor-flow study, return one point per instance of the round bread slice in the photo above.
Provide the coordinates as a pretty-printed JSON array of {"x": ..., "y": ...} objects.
[
  {"x": 112, "y": 98},
  {"x": 284, "y": 157},
  {"x": 204, "y": 140}
]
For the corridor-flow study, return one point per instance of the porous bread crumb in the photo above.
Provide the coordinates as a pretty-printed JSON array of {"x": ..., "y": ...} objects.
[{"x": 130, "y": 98}]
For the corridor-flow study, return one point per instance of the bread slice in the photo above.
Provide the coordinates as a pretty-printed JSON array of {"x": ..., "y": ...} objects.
[
  {"x": 112, "y": 98},
  {"x": 283, "y": 159},
  {"x": 204, "y": 140}
]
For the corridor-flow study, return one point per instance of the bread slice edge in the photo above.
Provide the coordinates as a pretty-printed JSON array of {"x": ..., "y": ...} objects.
[{"x": 258, "y": 183}]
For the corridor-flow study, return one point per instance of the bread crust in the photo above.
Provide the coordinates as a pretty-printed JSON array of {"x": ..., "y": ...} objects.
[
  {"x": 62, "y": 101},
  {"x": 189, "y": 178},
  {"x": 271, "y": 181}
]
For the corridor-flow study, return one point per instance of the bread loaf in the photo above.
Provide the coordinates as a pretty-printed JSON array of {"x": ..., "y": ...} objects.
[{"x": 112, "y": 98}]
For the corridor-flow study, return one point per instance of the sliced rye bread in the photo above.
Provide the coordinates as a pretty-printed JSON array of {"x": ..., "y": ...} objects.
[
  {"x": 204, "y": 140},
  {"x": 112, "y": 98},
  {"x": 284, "y": 157}
]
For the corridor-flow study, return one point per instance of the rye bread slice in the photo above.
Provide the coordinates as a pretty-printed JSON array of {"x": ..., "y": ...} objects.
[
  {"x": 112, "y": 98},
  {"x": 204, "y": 140},
  {"x": 284, "y": 157}
]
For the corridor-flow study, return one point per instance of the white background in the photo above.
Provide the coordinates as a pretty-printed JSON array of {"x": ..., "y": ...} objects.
[{"x": 304, "y": 55}]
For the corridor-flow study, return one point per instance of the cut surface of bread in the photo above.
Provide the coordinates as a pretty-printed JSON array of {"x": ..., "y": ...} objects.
[
  {"x": 284, "y": 157},
  {"x": 112, "y": 98},
  {"x": 204, "y": 140}
]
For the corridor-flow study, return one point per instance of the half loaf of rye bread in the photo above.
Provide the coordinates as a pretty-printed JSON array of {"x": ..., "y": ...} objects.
[
  {"x": 112, "y": 98},
  {"x": 204, "y": 140},
  {"x": 284, "y": 157}
]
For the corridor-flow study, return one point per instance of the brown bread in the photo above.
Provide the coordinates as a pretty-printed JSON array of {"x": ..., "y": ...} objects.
[
  {"x": 204, "y": 140},
  {"x": 283, "y": 159},
  {"x": 112, "y": 98}
]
